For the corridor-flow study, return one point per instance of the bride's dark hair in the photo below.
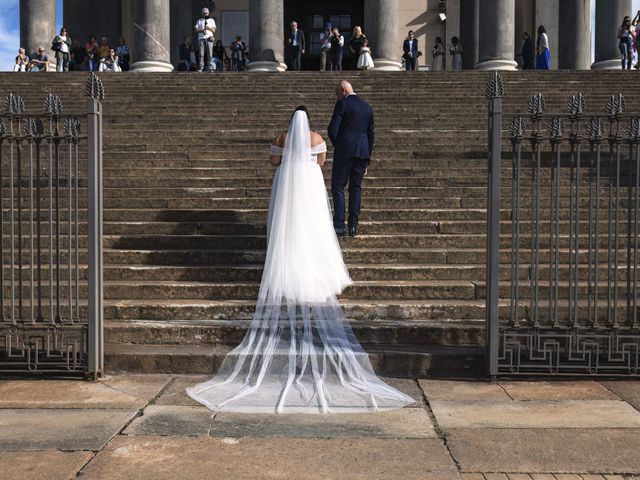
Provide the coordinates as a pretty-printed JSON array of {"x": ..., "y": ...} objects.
[{"x": 302, "y": 108}]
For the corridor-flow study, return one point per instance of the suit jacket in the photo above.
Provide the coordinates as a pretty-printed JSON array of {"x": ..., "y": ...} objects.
[
  {"x": 528, "y": 54},
  {"x": 351, "y": 129},
  {"x": 414, "y": 48},
  {"x": 300, "y": 39}
]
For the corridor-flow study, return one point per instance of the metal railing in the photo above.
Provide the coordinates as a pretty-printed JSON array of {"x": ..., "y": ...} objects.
[
  {"x": 51, "y": 249},
  {"x": 562, "y": 251}
]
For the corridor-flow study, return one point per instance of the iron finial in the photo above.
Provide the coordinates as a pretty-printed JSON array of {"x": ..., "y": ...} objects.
[
  {"x": 52, "y": 104},
  {"x": 494, "y": 87},
  {"x": 94, "y": 87}
]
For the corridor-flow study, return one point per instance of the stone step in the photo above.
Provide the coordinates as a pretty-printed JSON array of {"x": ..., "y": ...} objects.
[
  {"x": 225, "y": 332},
  {"x": 402, "y": 241},
  {"x": 259, "y": 215},
  {"x": 390, "y": 290},
  {"x": 238, "y": 274},
  {"x": 358, "y": 272},
  {"x": 187, "y": 257},
  {"x": 355, "y": 310},
  {"x": 364, "y": 290},
  {"x": 396, "y": 360}
]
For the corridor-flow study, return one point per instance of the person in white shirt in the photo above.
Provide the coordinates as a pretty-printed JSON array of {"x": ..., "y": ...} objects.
[
  {"x": 205, "y": 27},
  {"x": 625, "y": 42},
  {"x": 543, "y": 55},
  {"x": 62, "y": 47},
  {"x": 110, "y": 63}
]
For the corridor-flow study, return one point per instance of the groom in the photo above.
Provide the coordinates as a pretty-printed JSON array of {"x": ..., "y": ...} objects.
[{"x": 351, "y": 133}]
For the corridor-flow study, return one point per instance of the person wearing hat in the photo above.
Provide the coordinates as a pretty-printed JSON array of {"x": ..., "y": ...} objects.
[
  {"x": 325, "y": 46},
  {"x": 206, "y": 27}
]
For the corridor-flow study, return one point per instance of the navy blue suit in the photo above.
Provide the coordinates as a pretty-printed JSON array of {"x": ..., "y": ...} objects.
[
  {"x": 351, "y": 133},
  {"x": 410, "y": 60}
]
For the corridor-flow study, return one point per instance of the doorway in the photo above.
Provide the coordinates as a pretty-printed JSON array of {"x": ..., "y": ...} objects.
[{"x": 312, "y": 15}]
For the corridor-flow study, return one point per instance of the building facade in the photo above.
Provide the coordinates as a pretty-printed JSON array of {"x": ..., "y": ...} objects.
[{"x": 489, "y": 30}]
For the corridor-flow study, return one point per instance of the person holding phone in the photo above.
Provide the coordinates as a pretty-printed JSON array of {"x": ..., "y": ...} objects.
[
  {"x": 625, "y": 37},
  {"x": 325, "y": 47},
  {"x": 206, "y": 27}
]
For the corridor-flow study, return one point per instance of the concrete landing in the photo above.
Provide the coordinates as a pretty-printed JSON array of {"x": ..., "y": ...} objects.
[{"x": 146, "y": 427}]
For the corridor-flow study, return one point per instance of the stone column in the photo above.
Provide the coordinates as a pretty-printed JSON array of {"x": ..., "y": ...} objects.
[
  {"x": 381, "y": 27},
  {"x": 469, "y": 32},
  {"x": 266, "y": 42},
  {"x": 37, "y": 25},
  {"x": 152, "y": 33},
  {"x": 497, "y": 35},
  {"x": 574, "y": 35},
  {"x": 609, "y": 15}
]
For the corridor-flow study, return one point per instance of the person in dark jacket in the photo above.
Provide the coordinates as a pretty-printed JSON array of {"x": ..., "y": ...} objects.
[
  {"x": 410, "y": 48},
  {"x": 186, "y": 51},
  {"x": 296, "y": 47},
  {"x": 528, "y": 53},
  {"x": 351, "y": 132}
]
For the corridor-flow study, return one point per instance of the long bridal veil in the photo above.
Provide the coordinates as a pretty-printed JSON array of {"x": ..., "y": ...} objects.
[{"x": 300, "y": 353}]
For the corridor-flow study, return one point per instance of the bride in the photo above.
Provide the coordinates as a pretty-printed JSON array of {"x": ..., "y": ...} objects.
[{"x": 300, "y": 354}]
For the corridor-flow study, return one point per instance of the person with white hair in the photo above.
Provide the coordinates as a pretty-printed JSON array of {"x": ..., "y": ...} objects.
[
  {"x": 22, "y": 60},
  {"x": 206, "y": 27}
]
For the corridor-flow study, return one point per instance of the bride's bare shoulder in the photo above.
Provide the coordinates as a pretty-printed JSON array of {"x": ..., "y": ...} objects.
[
  {"x": 316, "y": 139},
  {"x": 279, "y": 140}
]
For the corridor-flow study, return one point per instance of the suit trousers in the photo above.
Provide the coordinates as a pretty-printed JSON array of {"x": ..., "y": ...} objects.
[
  {"x": 350, "y": 170},
  {"x": 295, "y": 54},
  {"x": 336, "y": 61}
]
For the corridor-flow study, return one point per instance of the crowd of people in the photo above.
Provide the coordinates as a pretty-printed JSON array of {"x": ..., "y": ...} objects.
[
  {"x": 538, "y": 56},
  {"x": 71, "y": 55},
  {"x": 209, "y": 54}
]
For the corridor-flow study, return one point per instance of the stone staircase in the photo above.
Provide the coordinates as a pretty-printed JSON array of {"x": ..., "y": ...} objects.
[{"x": 187, "y": 182}]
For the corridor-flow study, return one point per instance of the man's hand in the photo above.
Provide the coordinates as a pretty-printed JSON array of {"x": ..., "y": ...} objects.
[{"x": 303, "y": 52}]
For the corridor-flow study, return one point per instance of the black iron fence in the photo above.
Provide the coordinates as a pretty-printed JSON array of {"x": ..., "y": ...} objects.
[
  {"x": 51, "y": 249},
  {"x": 562, "y": 245}
]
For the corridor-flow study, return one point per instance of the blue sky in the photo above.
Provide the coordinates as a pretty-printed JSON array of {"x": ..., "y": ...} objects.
[{"x": 10, "y": 30}]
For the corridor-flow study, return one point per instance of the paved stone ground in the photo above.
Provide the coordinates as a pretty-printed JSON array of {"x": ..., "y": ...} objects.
[{"x": 145, "y": 427}]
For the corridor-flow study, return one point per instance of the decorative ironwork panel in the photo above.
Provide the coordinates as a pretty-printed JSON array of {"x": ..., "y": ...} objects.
[
  {"x": 44, "y": 321},
  {"x": 566, "y": 269}
]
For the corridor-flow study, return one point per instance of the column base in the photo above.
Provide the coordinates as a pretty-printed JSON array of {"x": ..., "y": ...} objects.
[
  {"x": 385, "y": 65},
  {"x": 608, "y": 65},
  {"x": 151, "y": 66},
  {"x": 497, "y": 65},
  {"x": 266, "y": 66}
]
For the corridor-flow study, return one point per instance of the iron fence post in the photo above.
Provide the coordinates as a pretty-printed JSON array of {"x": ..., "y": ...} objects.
[
  {"x": 494, "y": 92},
  {"x": 95, "y": 93}
]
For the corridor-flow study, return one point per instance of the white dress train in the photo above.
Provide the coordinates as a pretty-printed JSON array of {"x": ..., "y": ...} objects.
[{"x": 300, "y": 354}]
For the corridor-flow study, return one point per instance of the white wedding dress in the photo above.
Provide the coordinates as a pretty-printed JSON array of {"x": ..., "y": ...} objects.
[{"x": 300, "y": 353}]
